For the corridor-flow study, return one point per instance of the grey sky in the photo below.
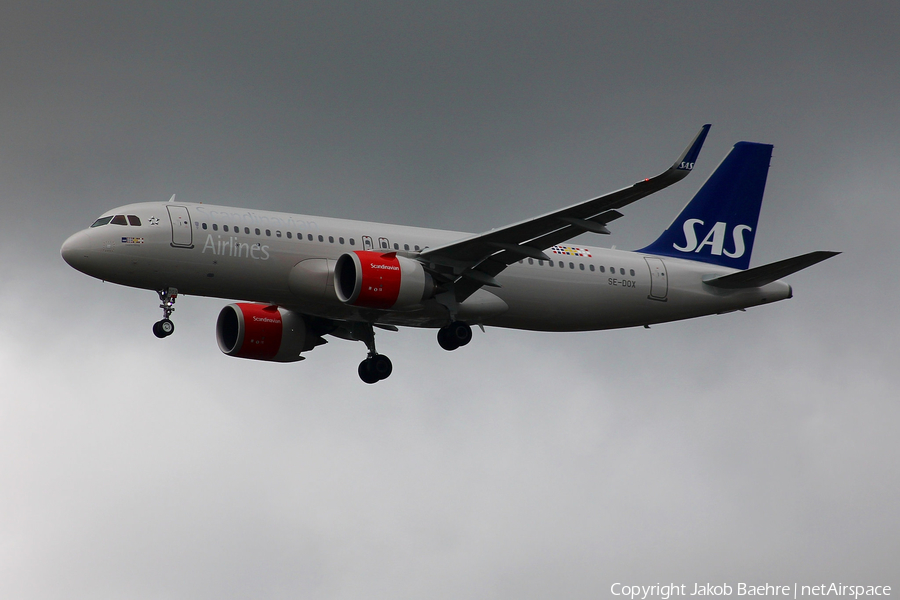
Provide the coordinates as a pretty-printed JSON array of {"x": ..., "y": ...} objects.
[{"x": 757, "y": 446}]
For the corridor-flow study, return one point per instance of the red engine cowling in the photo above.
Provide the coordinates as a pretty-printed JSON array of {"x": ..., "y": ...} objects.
[
  {"x": 262, "y": 332},
  {"x": 381, "y": 280}
]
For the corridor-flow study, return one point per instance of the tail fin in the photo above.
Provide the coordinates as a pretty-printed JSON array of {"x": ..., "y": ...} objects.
[{"x": 718, "y": 225}]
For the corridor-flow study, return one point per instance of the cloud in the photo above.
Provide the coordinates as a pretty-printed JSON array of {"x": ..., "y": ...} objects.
[
  {"x": 518, "y": 462},
  {"x": 752, "y": 446}
]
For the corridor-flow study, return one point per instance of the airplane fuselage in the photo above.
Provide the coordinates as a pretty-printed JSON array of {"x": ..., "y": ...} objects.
[{"x": 288, "y": 260}]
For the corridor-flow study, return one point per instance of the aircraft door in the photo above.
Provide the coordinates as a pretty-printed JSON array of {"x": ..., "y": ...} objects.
[
  {"x": 659, "y": 281},
  {"x": 367, "y": 243},
  {"x": 182, "y": 232}
]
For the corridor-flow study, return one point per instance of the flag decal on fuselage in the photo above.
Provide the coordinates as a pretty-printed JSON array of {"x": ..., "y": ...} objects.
[{"x": 571, "y": 251}]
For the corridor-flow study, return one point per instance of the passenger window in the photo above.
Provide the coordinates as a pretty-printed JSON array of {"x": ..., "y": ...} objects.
[
  {"x": 562, "y": 265},
  {"x": 277, "y": 233},
  {"x": 621, "y": 271},
  {"x": 602, "y": 269},
  {"x": 406, "y": 246},
  {"x": 417, "y": 248},
  {"x": 341, "y": 241},
  {"x": 134, "y": 220},
  {"x": 309, "y": 237},
  {"x": 571, "y": 265},
  {"x": 101, "y": 221},
  {"x": 330, "y": 239},
  {"x": 203, "y": 225},
  {"x": 581, "y": 266},
  {"x": 632, "y": 272},
  {"x": 321, "y": 239},
  {"x": 269, "y": 232},
  {"x": 396, "y": 246},
  {"x": 257, "y": 231},
  {"x": 592, "y": 267},
  {"x": 352, "y": 242},
  {"x": 225, "y": 228},
  {"x": 550, "y": 262},
  {"x": 530, "y": 261},
  {"x": 247, "y": 230},
  {"x": 288, "y": 234},
  {"x": 119, "y": 220},
  {"x": 215, "y": 227},
  {"x": 540, "y": 263}
]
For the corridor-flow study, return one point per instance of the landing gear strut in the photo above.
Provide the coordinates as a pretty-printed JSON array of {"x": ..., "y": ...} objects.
[
  {"x": 376, "y": 366},
  {"x": 454, "y": 335},
  {"x": 166, "y": 327}
]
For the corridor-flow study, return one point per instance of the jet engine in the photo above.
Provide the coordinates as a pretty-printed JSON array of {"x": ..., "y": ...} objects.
[
  {"x": 263, "y": 332},
  {"x": 381, "y": 280}
]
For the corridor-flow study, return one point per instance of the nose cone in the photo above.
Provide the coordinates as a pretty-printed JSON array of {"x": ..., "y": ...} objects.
[{"x": 76, "y": 251}]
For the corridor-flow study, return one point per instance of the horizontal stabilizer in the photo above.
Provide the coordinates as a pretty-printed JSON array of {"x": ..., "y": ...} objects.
[{"x": 760, "y": 276}]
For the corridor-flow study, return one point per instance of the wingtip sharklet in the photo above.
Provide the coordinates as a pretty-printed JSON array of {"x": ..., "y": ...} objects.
[{"x": 689, "y": 157}]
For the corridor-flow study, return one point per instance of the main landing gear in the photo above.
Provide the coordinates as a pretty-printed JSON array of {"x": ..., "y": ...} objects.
[
  {"x": 166, "y": 327},
  {"x": 454, "y": 335},
  {"x": 376, "y": 366}
]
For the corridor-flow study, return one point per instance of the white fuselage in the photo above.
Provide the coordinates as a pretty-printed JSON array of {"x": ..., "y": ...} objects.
[{"x": 286, "y": 259}]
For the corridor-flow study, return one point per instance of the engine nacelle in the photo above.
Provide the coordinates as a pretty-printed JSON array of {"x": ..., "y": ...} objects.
[
  {"x": 263, "y": 332},
  {"x": 381, "y": 280}
]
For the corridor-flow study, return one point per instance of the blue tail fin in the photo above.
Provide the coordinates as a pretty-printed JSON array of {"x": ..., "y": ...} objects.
[{"x": 719, "y": 224}]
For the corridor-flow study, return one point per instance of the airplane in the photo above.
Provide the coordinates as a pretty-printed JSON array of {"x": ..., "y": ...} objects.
[{"x": 298, "y": 278}]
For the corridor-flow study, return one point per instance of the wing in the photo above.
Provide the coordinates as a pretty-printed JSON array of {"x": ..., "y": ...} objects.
[{"x": 472, "y": 262}]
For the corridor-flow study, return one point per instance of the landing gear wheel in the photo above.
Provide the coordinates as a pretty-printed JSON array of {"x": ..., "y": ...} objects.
[
  {"x": 375, "y": 368},
  {"x": 444, "y": 340},
  {"x": 460, "y": 333},
  {"x": 167, "y": 327},
  {"x": 381, "y": 366},
  {"x": 454, "y": 335},
  {"x": 164, "y": 328},
  {"x": 365, "y": 372}
]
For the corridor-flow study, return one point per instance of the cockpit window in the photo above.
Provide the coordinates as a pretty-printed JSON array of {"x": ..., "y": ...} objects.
[
  {"x": 134, "y": 220},
  {"x": 101, "y": 221},
  {"x": 119, "y": 220}
]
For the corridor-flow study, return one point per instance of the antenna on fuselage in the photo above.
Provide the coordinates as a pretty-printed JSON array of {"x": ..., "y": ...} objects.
[{"x": 172, "y": 199}]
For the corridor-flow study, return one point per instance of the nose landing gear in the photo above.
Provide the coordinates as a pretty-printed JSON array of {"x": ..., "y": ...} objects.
[
  {"x": 454, "y": 335},
  {"x": 166, "y": 327}
]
